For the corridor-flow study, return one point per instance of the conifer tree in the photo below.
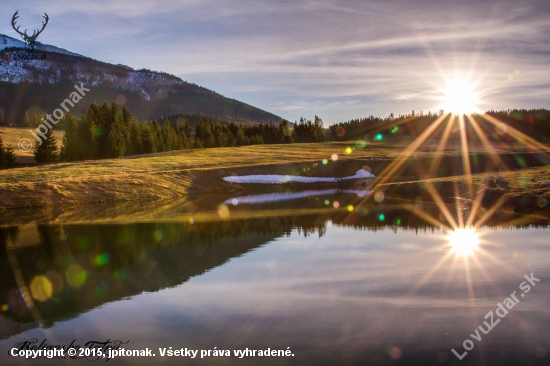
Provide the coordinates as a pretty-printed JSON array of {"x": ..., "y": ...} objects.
[
  {"x": 127, "y": 117},
  {"x": 185, "y": 127},
  {"x": 47, "y": 152},
  {"x": 2, "y": 152},
  {"x": 85, "y": 136},
  {"x": 288, "y": 135},
  {"x": 167, "y": 136},
  {"x": 198, "y": 144},
  {"x": 240, "y": 138},
  {"x": 230, "y": 139},
  {"x": 35, "y": 121},
  {"x": 103, "y": 120},
  {"x": 27, "y": 120},
  {"x": 135, "y": 143},
  {"x": 148, "y": 139},
  {"x": 7, "y": 156},
  {"x": 69, "y": 149},
  {"x": 220, "y": 138},
  {"x": 183, "y": 136},
  {"x": 157, "y": 134},
  {"x": 131, "y": 131},
  {"x": 117, "y": 139},
  {"x": 203, "y": 132}
]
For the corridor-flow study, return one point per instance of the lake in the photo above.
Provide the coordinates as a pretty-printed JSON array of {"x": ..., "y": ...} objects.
[{"x": 319, "y": 277}]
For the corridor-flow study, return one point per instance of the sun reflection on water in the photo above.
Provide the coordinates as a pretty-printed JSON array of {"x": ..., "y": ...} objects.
[{"x": 464, "y": 242}]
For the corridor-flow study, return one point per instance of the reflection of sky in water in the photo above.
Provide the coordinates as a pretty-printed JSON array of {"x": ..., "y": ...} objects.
[
  {"x": 277, "y": 197},
  {"x": 349, "y": 296}
]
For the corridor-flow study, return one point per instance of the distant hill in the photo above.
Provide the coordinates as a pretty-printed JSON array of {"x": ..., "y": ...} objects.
[{"x": 39, "y": 86}]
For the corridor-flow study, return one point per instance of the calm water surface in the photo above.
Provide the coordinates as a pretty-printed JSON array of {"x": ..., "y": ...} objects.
[{"x": 382, "y": 285}]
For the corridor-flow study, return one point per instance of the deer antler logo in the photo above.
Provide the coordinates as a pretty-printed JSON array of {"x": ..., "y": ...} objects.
[{"x": 29, "y": 40}]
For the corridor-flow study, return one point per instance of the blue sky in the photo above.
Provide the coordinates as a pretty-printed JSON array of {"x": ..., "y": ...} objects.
[{"x": 337, "y": 59}]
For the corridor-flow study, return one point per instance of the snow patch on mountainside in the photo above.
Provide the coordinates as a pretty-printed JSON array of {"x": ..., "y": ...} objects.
[
  {"x": 150, "y": 85},
  {"x": 7, "y": 41}
]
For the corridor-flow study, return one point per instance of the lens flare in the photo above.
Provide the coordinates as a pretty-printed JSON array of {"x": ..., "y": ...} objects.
[
  {"x": 223, "y": 211},
  {"x": 159, "y": 235},
  {"x": 460, "y": 98},
  {"x": 41, "y": 288},
  {"x": 101, "y": 259},
  {"x": 76, "y": 276},
  {"x": 464, "y": 241}
]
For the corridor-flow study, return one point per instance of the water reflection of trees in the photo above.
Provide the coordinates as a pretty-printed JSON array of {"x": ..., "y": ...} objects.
[
  {"x": 87, "y": 265},
  {"x": 84, "y": 266}
]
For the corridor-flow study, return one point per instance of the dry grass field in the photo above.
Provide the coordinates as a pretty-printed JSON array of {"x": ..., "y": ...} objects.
[
  {"x": 12, "y": 136},
  {"x": 181, "y": 173}
]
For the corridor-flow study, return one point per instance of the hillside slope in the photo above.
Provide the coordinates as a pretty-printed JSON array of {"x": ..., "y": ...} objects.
[{"x": 39, "y": 86}]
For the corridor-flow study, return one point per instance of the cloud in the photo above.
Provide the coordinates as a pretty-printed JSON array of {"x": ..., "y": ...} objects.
[{"x": 311, "y": 56}]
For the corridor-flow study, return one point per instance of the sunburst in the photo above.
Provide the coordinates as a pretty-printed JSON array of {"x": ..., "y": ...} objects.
[
  {"x": 460, "y": 97},
  {"x": 464, "y": 242}
]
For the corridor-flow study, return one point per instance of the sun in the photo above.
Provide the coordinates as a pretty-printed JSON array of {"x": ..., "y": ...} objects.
[
  {"x": 460, "y": 97},
  {"x": 464, "y": 241}
]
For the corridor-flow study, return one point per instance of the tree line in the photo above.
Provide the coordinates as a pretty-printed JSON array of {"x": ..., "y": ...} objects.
[
  {"x": 107, "y": 131},
  {"x": 533, "y": 122}
]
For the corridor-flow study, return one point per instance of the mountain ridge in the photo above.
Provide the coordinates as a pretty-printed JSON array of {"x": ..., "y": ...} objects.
[{"x": 149, "y": 94}]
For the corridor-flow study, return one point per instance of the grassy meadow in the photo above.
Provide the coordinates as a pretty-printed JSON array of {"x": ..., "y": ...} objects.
[
  {"x": 12, "y": 136},
  {"x": 194, "y": 172}
]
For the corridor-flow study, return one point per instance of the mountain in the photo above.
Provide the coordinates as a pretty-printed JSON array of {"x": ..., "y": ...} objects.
[
  {"x": 7, "y": 42},
  {"x": 39, "y": 86}
]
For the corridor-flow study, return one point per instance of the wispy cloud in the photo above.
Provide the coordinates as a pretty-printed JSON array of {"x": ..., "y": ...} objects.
[{"x": 314, "y": 57}]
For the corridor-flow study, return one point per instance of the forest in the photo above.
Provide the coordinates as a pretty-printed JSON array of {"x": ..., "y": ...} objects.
[
  {"x": 534, "y": 123},
  {"x": 107, "y": 131}
]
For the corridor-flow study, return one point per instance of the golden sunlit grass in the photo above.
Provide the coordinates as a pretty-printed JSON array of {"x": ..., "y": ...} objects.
[
  {"x": 171, "y": 174},
  {"x": 227, "y": 157},
  {"x": 12, "y": 135}
]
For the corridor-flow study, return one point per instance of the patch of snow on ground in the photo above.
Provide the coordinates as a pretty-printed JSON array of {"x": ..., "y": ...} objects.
[{"x": 281, "y": 179}]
